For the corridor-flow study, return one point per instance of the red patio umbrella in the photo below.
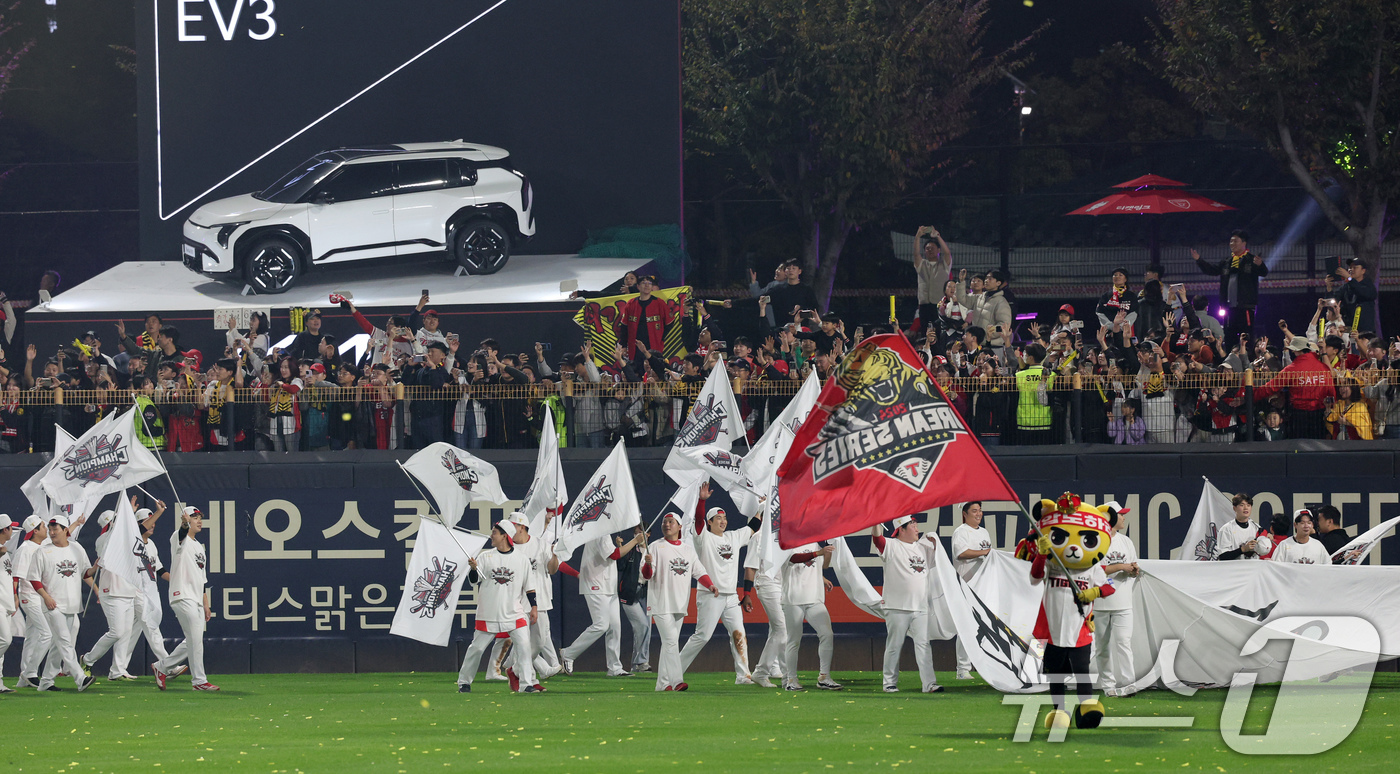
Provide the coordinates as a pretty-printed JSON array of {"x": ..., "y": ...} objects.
[{"x": 1147, "y": 197}]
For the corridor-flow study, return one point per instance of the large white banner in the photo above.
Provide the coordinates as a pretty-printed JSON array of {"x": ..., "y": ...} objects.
[
  {"x": 760, "y": 465},
  {"x": 1213, "y": 511},
  {"x": 714, "y": 421},
  {"x": 548, "y": 491},
  {"x": 108, "y": 458},
  {"x": 455, "y": 479},
  {"x": 33, "y": 489},
  {"x": 436, "y": 572},
  {"x": 607, "y": 504}
]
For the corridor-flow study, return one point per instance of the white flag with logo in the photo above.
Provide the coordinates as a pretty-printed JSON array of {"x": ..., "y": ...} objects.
[
  {"x": 108, "y": 458},
  {"x": 436, "y": 573},
  {"x": 722, "y": 466},
  {"x": 33, "y": 488},
  {"x": 713, "y": 421},
  {"x": 1357, "y": 550},
  {"x": 761, "y": 464},
  {"x": 455, "y": 479},
  {"x": 548, "y": 491},
  {"x": 607, "y": 504},
  {"x": 1213, "y": 511},
  {"x": 123, "y": 553}
]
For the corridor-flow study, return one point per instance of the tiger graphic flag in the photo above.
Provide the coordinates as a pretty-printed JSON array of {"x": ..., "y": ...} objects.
[{"x": 882, "y": 442}]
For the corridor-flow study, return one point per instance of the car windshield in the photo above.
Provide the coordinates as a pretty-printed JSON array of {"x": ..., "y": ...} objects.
[{"x": 294, "y": 185}]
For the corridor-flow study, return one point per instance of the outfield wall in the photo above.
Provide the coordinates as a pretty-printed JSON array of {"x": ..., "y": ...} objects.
[{"x": 307, "y": 552}]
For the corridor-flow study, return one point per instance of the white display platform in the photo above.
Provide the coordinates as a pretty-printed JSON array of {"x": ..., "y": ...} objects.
[{"x": 167, "y": 286}]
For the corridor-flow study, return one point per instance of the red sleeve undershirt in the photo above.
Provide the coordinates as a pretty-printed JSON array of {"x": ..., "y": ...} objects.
[
  {"x": 567, "y": 570},
  {"x": 803, "y": 558},
  {"x": 37, "y": 585},
  {"x": 365, "y": 325},
  {"x": 706, "y": 582},
  {"x": 879, "y": 543},
  {"x": 699, "y": 516},
  {"x": 616, "y": 554}
]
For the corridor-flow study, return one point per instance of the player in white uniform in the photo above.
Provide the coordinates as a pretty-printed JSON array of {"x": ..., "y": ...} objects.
[
  {"x": 57, "y": 572},
  {"x": 971, "y": 544},
  {"x": 37, "y": 636},
  {"x": 118, "y": 599},
  {"x": 718, "y": 552},
  {"x": 1113, "y": 615},
  {"x": 546, "y": 659},
  {"x": 1302, "y": 548},
  {"x": 1242, "y": 538},
  {"x": 504, "y": 579},
  {"x": 189, "y": 599},
  {"x": 763, "y": 578},
  {"x": 804, "y": 599},
  {"x": 9, "y": 598},
  {"x": 907, "y": 568},
  {"x": 667, "y": 569},
  {"x": 597, "y": 582},
  {"x": 148, "y": 612}
]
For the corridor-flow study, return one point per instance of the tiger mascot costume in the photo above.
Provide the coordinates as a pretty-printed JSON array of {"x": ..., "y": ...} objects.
[{"x": 1078, "y": 536}]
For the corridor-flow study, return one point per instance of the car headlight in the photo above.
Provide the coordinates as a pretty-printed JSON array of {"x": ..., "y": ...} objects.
[{"x": 226, "y": 230}]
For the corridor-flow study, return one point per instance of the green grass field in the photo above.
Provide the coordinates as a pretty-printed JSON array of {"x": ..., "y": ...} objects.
[{"x": 417, "y": 723}]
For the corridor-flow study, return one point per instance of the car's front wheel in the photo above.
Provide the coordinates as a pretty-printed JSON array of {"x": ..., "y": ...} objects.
[
  {"x": 481, "y": 246},
  {"x": 273, "y": 264}
]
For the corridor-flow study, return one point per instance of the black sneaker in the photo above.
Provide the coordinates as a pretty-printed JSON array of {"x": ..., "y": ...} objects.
[
  {"x": 53, "y": 688},
  {"x": 533, "y": 689},
  {"x": 464, "y": 688},
  {"x": 85, "y": 683}
]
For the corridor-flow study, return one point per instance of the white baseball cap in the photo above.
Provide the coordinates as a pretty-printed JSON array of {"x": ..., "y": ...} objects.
[
  {"x": 61, "y": 519},
  {"x": 713, "y": 512},
  {"x": 6, "y": 522},
  {"x": 143, "y": 513},
  {"x": 902, "y": 520},
  {"x": 106, "y": 518},
  {"x": 32, "y": 523},
  {"x": 190, "y": 510},
  {"x": 517, "y": 518},
  {"x": 1114, "y": 507}
]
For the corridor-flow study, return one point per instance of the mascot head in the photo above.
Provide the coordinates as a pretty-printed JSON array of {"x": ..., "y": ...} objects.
[{"x": 1078, "y": 533}]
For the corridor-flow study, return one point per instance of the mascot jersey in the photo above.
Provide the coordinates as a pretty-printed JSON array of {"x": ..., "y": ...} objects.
[{"x": 1078, "y": 535}]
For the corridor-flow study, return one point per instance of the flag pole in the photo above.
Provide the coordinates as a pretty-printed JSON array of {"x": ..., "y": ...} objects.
[{"x": 168, "y": 479}]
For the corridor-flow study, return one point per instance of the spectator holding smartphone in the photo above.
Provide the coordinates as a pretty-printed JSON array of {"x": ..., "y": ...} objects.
[{"x": 933, "y": 262}]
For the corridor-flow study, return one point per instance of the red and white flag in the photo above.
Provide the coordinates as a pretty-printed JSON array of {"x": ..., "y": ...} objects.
[
  {"x": 882, "y": 442},
  {"x": 548, "y": 492},
  {"x": 455, "y": 479},
  {"x": 436, "y": 572},
  {"x": 607, "y": 504}
]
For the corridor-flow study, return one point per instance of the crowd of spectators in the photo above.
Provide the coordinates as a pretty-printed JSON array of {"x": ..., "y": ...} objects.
[{"x": 1150, "y": 366}]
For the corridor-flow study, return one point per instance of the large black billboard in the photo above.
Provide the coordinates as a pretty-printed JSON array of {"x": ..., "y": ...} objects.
[{"x": 584, "y": 95}]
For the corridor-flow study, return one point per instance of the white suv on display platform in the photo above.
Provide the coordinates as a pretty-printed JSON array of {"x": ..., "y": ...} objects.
[{"x": 354, "y": 203}]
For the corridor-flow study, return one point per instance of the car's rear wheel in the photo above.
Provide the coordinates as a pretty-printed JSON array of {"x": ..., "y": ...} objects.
[
  {"x": 273, "y": 264},
  {"x": 481, "y": 246}
]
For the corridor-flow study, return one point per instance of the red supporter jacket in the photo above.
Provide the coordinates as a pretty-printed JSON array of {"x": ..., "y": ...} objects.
[
  {"x": 1308, "y": 380},
  {"x": 659, "y": 315}
]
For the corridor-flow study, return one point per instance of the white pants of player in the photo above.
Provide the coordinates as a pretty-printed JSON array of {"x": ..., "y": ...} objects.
[
  {"x": 709, "y": 611},
  {"x": 147, "y": 622},
  {"x": 37, "y": 637},
  {"x": 641, "y": 633},
  {"x": 519, "y": 659},
  {"x": 63, "y": 654},
  {"x": 7, "y": 635},
  {"x": 606, "y": 612},
  {"x": 190, "y": 613},
  {"x": 819, "y": 619},
  {"x": 1113, "y": 648},
  {"x": 542, "y": 644},
  {"x": 964, "y": 660},
  {"x": 907, "y": 624},
  {"x": 669, "y": 672},
  {"x": 770, "y": 661},
  {"x": 121, "y": 620}
]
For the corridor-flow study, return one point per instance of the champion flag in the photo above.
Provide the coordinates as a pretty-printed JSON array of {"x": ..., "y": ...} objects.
[
  {"x": 714, "y": 422},
  {"x": 607, "y": 504},
  {"x": 33, "y": 488},
  {"x": 882, "y": 442},
  {"x": 123, "y": 553},
  {"x": 1213, "y": 511},
  {"x": 436, "y": 572},
  {"x": 548, "y": 491},
  {"x": 1358, "y": 549},
  {"x": 726, "y": 468},
  {"x": 108, "y": 458},
  {"x": 455, "y": 479}
]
